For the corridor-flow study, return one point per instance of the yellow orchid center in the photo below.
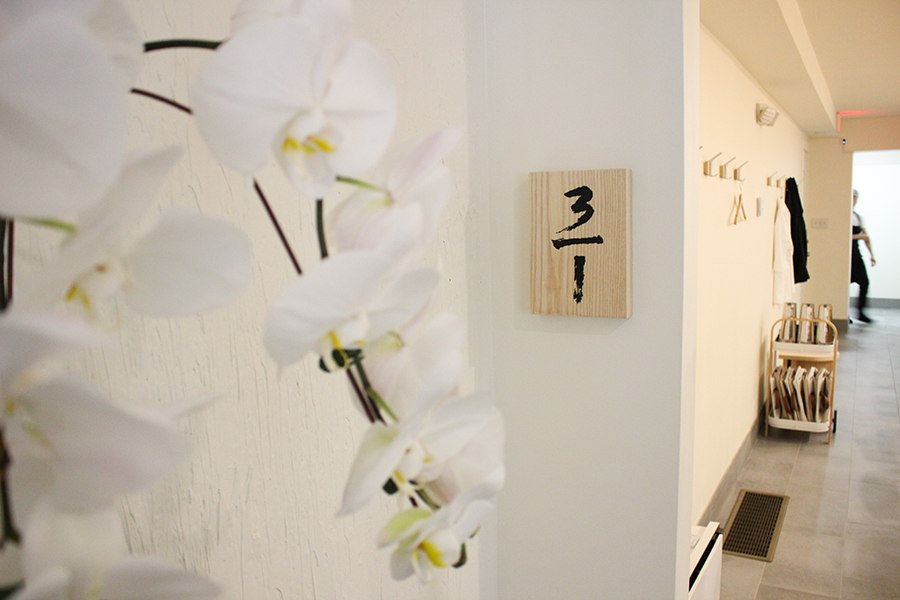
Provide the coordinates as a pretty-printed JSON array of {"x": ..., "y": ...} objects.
[
  {"x": 76, "y": 292},
  {"x": 310, "y": 145},
  {"x": 433, "y": 553}
]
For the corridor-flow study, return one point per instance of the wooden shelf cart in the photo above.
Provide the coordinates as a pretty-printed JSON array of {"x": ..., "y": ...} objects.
[{"x": 805, "y": 355}]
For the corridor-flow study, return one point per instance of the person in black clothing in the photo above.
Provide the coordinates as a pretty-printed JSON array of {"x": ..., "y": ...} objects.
[{"x": 858, "y": 272}]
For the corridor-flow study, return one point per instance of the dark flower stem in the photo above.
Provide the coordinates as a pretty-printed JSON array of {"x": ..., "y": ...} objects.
[
  {"x": 320, "y": 228},
  {"x": 359, "y": 394},
  {"x": 10, "y": 533},
  {"x": 7, "y": 249},
  {"x": 3, "y": 264},
  {"x": 163, "y": 99},
  {"x": 181, "y": 43},
  {"x": 10, "y": 263},
  {"x": 281, "y": 235}
]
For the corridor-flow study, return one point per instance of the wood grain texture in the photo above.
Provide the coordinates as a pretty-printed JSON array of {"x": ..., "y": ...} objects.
[{"x": 581, "y": 243}]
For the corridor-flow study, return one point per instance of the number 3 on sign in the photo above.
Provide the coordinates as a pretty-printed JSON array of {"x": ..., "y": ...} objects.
[{"x": 581, "y": 243}]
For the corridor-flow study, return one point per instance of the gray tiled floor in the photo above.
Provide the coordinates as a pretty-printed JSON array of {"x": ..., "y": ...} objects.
[{"x": 841, "y": 535}]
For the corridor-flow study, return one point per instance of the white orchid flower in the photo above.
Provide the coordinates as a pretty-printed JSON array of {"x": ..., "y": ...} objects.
[
  {"x": 84, "y": 449},
  {"x": 412, "y": 451},
  {"x": 96, "y": 449},
  {"x": 418, "y": 363},
  {"x": 480, "y": 462},
  {"x": 187, "y": 263},
  {"x": 347, "y": 299},
  {"x": 62, "y": 112},
  {"x": 416, "y": 189},
  {"x": 83, "y": 556},
  {"x": 296, "y": 89},
  {"x": 429, "y": 541}
]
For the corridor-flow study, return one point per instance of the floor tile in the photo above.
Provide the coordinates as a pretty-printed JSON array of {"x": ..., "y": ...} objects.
[
  {"x": 856, "y": 589},
  {"x": 822, "y": 471},
  {"x": 874, "y": 504},
  {"x": 740, "y": 577},
  {"x": 767, "y": 592},
  {"x": 816, "y": 510},
  {"x": 806, "y": 562},
  {"x": 873, "y": 471},
  {"x": 872, "y": 556}
]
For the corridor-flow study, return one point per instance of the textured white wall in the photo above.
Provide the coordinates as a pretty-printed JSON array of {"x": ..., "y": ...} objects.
[
  {"x": 255, "y": 507},
  {"x": 593, "y": 502},
  {"x": 735, "y": 261}
]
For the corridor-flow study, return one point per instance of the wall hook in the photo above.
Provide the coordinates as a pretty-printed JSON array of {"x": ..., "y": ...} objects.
[
  {"x": 723, "y": 168},
  {"x": 771, "y": 181},
  {"x": 708, "y": 165},
  {"x": 737, "y": 171}
]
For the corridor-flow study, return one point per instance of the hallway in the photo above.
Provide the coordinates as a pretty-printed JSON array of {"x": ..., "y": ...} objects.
[{"x": 841, "y": 535}]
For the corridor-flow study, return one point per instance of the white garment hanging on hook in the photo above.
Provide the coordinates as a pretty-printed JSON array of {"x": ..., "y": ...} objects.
[{"x": 783, "y": 259}]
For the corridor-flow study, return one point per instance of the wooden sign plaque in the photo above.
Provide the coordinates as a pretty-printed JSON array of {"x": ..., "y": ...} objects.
[{"x": 581, "y": 243}]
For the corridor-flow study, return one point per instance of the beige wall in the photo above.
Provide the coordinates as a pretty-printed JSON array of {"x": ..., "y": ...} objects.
[
  {"x": 831, "y": 175},
  {"x": 735, "y": 309}
]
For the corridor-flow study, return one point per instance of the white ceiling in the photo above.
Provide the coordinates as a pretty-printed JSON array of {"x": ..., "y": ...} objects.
[{"x": 816, "y": 58}]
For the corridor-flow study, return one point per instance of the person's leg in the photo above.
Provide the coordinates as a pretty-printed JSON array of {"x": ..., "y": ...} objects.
[{"x": 863, "y": 297}]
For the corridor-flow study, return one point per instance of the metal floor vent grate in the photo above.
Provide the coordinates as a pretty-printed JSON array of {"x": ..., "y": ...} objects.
[{"x": 754, "y": 525}]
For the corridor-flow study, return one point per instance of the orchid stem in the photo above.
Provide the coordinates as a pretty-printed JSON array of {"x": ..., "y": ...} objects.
[
  {"x": 320, "y": 228},
  {"x": 278, "y": 229},
  {"x": 359, "y": 183},
  {"x": 359, "y": 394},
  {"x": 163, "y": 99},
  {"x": 7, "y": 249},
  {"x": 373, "y": 395},
  {"x": 10, "y": 533},
  {"x": 262, "y": 197},
  {"x": 10, "y": 260},
  {"x": 3, "y": 264},
  {"x": 181, "y": 43}
]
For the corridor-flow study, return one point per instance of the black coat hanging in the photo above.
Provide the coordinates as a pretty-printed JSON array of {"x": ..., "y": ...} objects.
[{"x": 798, "y": 230}]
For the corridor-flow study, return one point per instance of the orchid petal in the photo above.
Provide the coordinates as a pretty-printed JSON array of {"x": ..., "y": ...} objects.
[
  {"x": 145, "y": 578},
  {"x": 62, "y": 111},
  {"x": 403, "y": 300},
  {"x": 115, "y": 28},
  {"x": 32, "y": 337},
  {"x": 400, "y": 524},
  {"x": 431, "y": 192},
  {"x": 480, "y": 462},
  {"x": 254, "y": 11},
  {"x": 253, "y": 86},
  {"x": 379, "y": 453},
  {"x": 401, "y": 565},
  {"x": 49, "y": 585},
  {"x": 426, "y": 155},
  {"x": 188, "y": 263},
  {"x": 107, "y": 228},
  {"x": 454, "y": 424},
  {"x": 82, "y": 543},
  {"x": 102, "y": 449},
  {"x": 471, "y": 517},
  {"x": 438, "y": 355},
  {"x": 362, "y": 104},
  {"x": 318, "y": 301}
]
